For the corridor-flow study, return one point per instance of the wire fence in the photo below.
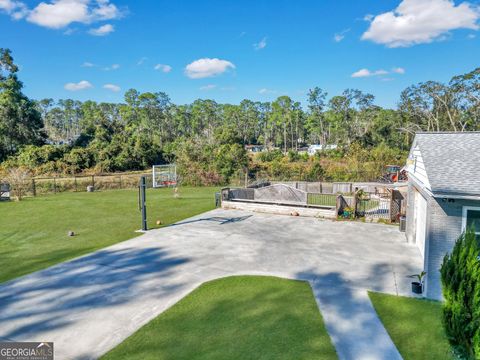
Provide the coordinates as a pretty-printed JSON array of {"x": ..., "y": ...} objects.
[{"x": 57, "y": 184}]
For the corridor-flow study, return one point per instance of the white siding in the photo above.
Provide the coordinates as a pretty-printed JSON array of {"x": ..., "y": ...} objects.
[
  {"x": 420, "y": 222},
  {"x": 416, "y": 167}
]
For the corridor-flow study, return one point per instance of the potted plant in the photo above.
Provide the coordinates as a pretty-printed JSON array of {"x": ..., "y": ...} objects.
[
  {"x": 417, "y": 286},
  {"x": 348, "y": 212}
]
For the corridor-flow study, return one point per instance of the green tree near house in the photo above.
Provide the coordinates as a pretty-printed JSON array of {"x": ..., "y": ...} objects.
[{"x": 460, "y": 274}]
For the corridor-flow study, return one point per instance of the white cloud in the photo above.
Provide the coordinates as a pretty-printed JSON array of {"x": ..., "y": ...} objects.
[
  {"x": 102, "y": 30},
  {"x": 368, "y": 17},
  {"x": 262, "y": 44},
  {"x": 81, "y": 85},
  {"x": 340, "y": 36},
  {"x": 162, "y": 67},
  {"x": 367, "y": 73},
  {"x": 266, "y": 91},
  {"x": 208, "y": 87},
  {"x": 398, "y": 70},
  {"x": 112, "y": 87},
  {"x": 69, "y": 31},
  {"x": 112, "y": 67},
  {"x": 58, "y": 14},
  {"x": 207, "y": 67},
  {"x": 106, "y": 11},
  {"x": 16, "y": 9},
  {"x": 87, "y": 64},
  {"x": 141, "y": 61},
  {"x": 7, "y": 5},
  {"x": 416, "y": 22}
]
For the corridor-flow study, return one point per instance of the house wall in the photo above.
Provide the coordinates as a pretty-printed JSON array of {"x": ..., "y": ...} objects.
[
  {"x": 413, "y": 187},
  {"x": 444, "y": 225},
  {"x": 416, "y": 166},
  {"x": 410, "y": 214},
  {"x": 443, "y": 228}
]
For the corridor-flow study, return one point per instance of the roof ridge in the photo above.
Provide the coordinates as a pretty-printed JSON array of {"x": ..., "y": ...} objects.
[{"x": 446, "y": 132}]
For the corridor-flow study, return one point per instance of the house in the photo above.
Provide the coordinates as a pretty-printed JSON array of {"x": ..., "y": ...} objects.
[
  {"x": 443, "y": 196},
  {"x": 255, "y": 148},
  {"x": 312, "y": 149}
]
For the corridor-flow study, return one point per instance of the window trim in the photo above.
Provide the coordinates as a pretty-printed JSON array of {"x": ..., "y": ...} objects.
[{"x": 464, "y": 216}]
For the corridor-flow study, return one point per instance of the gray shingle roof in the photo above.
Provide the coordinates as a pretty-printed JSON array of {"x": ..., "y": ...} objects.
[{"x": 452, "y": 161}]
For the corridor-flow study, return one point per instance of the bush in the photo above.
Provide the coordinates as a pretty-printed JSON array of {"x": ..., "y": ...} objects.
[
  {"x": 315, "y": 173},
  {"x": 202, "y": 163},
  {"x": 460, "y": 274},
  {"x": 18, "y": 180},
  {"x": 293, "y": 156},
  {"x": 268, "y": 156},
  {"x": 77, "y": 160}
]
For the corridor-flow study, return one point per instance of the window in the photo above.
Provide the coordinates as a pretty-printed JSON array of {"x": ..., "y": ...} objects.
[{"x": 471, "y": 217}]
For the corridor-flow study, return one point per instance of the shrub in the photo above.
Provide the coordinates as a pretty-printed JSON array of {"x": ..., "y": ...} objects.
[
  {"x": 268, "y": 156},
  {"x": 293, "y": 156},
  {"x": 304, "y": 156},
  {"x": 77, "y": 160},
  {"x": 202, "y": 163},
  {"x": 18, "y": 180},
  {"x": 315, "y": 173},
  {"x": 460, "y": 274}
]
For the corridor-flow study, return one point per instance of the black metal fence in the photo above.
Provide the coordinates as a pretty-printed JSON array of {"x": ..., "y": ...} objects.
[{"x": 322, "y": 199}]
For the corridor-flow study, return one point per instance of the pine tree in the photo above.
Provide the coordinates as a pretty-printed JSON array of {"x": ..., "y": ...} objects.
[{"x": 461, "y": 289}]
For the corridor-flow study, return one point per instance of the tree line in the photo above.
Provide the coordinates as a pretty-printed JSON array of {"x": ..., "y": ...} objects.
[{"x": 148, "y": 128}]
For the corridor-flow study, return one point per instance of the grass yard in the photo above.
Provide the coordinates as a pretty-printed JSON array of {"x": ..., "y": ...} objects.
[
  {"x": 240, "y": 317},
  {"x": 415, "y": 326},
  {"x": 33, "y": 232}
]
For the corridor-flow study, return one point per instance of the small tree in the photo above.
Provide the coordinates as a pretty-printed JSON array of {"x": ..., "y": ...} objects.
[
  {"x": 461, "y": 289},
  {"x": 18, "y": 180}
]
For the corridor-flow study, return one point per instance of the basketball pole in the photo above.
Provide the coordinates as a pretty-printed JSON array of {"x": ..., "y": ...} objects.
[{"x": 143, "y": 201}]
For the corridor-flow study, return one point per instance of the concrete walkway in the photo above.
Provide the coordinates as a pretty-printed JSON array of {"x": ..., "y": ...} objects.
[{"x": 89, "y": 305}]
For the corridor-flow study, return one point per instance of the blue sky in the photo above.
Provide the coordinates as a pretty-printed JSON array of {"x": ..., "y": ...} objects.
[{"x": 230, "y": 50}]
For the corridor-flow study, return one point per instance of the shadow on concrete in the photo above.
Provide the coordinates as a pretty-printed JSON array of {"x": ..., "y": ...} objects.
[
  {"x": 220, "y": 219},
  {"x": 106, "y": 278},
  {"x": 349, "y": 316}
]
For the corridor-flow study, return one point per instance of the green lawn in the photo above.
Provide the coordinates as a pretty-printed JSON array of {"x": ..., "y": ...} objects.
[
  {"x": 241, "y": 317},
  {"x": 33, "y": 232},
  {"x": 415, "y": 326}
]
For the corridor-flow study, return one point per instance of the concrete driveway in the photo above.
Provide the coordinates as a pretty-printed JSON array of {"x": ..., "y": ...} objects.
[{"x": 89, "y": 305}]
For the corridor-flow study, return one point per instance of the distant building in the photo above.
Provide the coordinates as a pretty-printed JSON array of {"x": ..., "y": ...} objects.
[
  {"x": 313, "y": 149},
  {"x": 255, "y": 148},
  {"x": 69, "y": 141}
]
